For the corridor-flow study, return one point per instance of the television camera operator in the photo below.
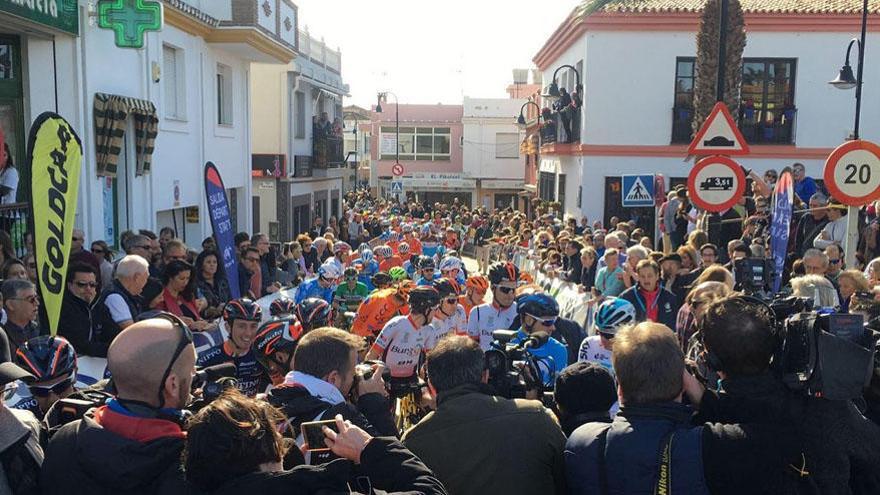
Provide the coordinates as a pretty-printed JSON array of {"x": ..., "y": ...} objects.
[{"x": 741, "y": 336}]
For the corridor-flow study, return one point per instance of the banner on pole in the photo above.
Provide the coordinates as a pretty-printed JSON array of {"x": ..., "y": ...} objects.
[
  {"x": 55, "y": 159},
  {"x": 783, "y": 196},
  {"x": 218, "y": 210}
]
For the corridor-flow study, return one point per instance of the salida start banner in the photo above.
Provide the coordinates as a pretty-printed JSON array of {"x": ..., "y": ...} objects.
[
  {"x": 218, "y": 210},
  {"x": 55, "y": 158}
]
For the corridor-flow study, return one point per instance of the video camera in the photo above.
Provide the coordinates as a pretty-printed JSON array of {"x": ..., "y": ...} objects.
[
  {"x": 212, "y": 380},
  {"x": 513, "y": 371},
  {"x": 754, "y": 276}
]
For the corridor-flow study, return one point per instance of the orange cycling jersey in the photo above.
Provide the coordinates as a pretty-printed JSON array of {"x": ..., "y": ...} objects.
[
  {"x": 389, "y": 263},
  {"x": 377, "y": 310}
]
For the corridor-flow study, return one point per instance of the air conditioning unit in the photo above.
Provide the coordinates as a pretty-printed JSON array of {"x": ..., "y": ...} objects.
[{"x": 520, "y": 76}]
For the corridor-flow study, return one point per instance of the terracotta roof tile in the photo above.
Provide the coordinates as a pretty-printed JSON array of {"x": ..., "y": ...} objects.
[{"x": 749, "y": 6}]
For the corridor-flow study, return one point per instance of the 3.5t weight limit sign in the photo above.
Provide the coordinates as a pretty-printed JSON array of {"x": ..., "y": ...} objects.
[
  {"x": 716, "y": 183},
  {"x": 852, "y": 173}
]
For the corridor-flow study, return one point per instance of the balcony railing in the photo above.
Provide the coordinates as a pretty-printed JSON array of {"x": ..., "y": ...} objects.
[
  {"x": 562, "y": 127},
  {"x": 327, "y": 151},
  {"x": 302, "y": 166},
  {"x": 14, "y": 219},
  {"x": 757, "y": 127}
]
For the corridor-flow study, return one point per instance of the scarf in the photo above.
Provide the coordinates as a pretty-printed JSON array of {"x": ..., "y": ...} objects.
[
  {"x": 325, "y": 391},
  {"x": 174, "y": 307}
]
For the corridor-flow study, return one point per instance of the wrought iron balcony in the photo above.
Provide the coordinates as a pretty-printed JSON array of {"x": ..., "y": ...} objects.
[{"x": 757, "y": 126}]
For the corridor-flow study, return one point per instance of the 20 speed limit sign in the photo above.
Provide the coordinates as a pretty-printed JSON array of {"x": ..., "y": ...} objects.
[{"x": 852, "y": 173}]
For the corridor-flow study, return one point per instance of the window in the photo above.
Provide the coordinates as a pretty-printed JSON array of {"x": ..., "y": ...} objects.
[
  {"x": 547, "y": 186},
  {"x": 766, "y": 110},
  {"x": 506, "y": 145},
  {"x": 173, "y": 82},
  {"x": 416, "y": 143},
  {"x": 224, "y": 95},
  {"x": 299, "y": 109},
  {"x": 560, "y": 195}
]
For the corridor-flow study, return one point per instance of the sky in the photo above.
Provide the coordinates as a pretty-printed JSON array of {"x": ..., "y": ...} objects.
[{"x": 432, "y": 52}]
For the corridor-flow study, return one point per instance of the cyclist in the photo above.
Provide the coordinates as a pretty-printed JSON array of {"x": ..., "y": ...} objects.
[
  {"x": 350, "y": 292},
  {"x": 368, "y": 267},
  {"x": 314, "y": 313},
  {"x": 401, "y": 342},
  {"x": 476, "y": 287},
  {"x": 538, "y": 313},
  {"x": 389, "y": 259},
  {"x": 450, "y": 267},
  {"x": 415, "y": 245},
  {"x": 379, "y": 307},
  {"x": 274, "y": 345},
  {"x": 242, "y": 317},
  {"x": 393, "y": 240},
  {"x": 282, "y": 307},
  {"x": 450, "y": 316},
  {"x": 381, "y": 280},
  {"x": 427, "y": 271},
  {"x": 611, "y": 315},
  {"x": 501, "y": 312},
  {"x": 412, "y": 265},
  {"x": 403, "y": 251},
  {"x": 398, "y": 274},
  {"x": 321, "y": 286},
  {"x": 52, "y": 361}
]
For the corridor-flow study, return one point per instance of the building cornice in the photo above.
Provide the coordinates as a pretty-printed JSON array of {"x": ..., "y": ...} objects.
[
  {"x": 254, "y": 38},
  {"x": 676, "y": 151}
]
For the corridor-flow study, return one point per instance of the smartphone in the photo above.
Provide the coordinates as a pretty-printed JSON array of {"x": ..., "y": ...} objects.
[{"x": 313, "y": 434}]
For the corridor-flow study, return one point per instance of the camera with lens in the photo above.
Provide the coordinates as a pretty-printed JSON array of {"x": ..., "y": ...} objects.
[
  {"x": 213, "y": 381},
  {"x": 754, "y": 276},
  {"x": 365, "y": 370},
  {"x": 513, "y": 371}
]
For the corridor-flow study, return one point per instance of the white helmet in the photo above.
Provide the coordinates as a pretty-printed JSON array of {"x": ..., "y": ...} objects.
[
  {"x": 330, "y": 271},
  {"x": 450, "y": 263}
]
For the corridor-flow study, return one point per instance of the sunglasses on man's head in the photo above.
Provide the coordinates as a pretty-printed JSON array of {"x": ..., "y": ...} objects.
[{"x": 57, "y": 389}]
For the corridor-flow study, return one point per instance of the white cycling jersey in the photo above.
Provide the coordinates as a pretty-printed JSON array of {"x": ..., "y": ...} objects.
[
  {"x": 437, "y": 329},
  {"x": 400, "y": 344},
  {"x": 591, "y": 351},
  {"x": 486, "y": 318}
]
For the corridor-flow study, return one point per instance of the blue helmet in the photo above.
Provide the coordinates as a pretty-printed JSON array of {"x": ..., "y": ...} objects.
[
  {"x": 539, "y": 304},
  {"x": 613, "y": 313},
  {"x": 366, "y": 256}
]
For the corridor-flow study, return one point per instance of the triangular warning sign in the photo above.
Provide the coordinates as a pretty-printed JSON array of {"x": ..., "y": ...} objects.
[
  {"x": 638, "y": 192},
  {"x": 719, "y": 135}
]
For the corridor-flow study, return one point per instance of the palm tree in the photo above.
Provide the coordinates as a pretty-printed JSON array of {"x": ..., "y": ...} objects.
[{"x": 706, "y": 67}]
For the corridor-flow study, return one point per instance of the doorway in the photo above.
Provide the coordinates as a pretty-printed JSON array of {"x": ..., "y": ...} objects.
[
  {"x": 12, "y": 108},
  {"x": 643, "y": 216}
]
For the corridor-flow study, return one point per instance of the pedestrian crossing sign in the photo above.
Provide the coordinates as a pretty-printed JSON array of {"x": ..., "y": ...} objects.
[
  {"x": 397, "y": 187},
  {"x": 638, "y": 190}
]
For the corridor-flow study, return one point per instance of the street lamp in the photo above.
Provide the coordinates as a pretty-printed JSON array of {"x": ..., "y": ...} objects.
[
  {"x": 553, "y": 90},
  {"x": 521, "y": 120},
  {"x": 845, "y": 79},
  {"x": 383, "y": 96}
]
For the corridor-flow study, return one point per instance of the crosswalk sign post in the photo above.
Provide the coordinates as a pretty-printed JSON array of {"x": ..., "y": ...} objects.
[
  {"x": 397, "y": 188},
  {"x": 638, "y": 190}
]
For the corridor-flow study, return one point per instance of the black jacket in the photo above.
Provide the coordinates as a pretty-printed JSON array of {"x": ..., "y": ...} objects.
[
  {"x": 371, "y": 413},
  {"x": 842, "y": 447},
  {"x": 85, "y": 458},
  {"x": 667, "y": 305},
  {"x": 104, "y": 328},
  {"x": 572, "y": 268},
  {"x": 386, "y": 467},
  {"x": 76, "y": 324}
]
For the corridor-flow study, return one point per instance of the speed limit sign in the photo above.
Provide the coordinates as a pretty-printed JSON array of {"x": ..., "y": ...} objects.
[{"x": 852, "y": 173}]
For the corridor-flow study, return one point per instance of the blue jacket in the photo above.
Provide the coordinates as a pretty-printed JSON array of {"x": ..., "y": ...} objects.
[
  {"x": 632, "y": 445},
  {"x": 667, "y": 305},
  {"x": 310, "y": 288},
  {"x": 552, "y": 357}
]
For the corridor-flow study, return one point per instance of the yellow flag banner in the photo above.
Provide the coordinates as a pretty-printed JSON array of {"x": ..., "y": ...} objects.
[{"x": 55, "y": 157}]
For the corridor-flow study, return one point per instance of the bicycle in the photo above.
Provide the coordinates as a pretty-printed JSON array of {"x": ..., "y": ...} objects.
[{"x": 408, "y": 410}]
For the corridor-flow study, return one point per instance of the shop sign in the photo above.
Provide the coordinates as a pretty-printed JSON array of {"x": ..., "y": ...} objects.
[{"x": 58, "y": 14}]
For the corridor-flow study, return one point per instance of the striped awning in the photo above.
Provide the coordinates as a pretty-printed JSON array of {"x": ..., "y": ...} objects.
[{"x": 111, "y": 114}]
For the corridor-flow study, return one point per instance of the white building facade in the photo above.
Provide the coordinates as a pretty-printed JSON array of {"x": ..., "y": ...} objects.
[
  {"x": 298, "y": 120},
  {"x": 190, "y": 79},
  {"x": 491, "y": 150},
  {"x": 636, "y": 65}
]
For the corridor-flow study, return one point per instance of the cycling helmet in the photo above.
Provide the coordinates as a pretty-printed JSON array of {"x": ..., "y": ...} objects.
[
  {"x": 367, "y": 256},
  {"x": 282, "y": 306},
  {"x": 450, "y": 263},
  {"x": 407, "y": 228},
  {"x": 614, "y": 313},
  {"x": 538, "y": 304},
  {"x": 381, "y": 278},
  {"x": 403, "y": 248},
  {"x": 447, "y": 287},
  {"x": 242, "y": 309},
  {"x": 404, "y": 288},
  {"x": 363, "y": 248},
  {"x": 394, "y": 237},
  {"x": 385, "y": 251},
  {"x": 47, "y": 357},
  {"x": 350, "y": 272},
  {"x": 423, "y": 298},
  {"x": 330, "y": 271},
  {"x": 341, "y": 246},
  {"x": 276, "y": 336},
  {"x": 478, "y": 283},
  {"x": 502, "y": 271},
  {"x": 314, "y": 313},
  {"x": 426, "y": 262},
  {"x": 397, "y": 274}
]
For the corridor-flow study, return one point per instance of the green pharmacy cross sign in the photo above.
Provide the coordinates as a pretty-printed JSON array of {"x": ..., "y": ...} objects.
[{"x": 130, "y": 19}]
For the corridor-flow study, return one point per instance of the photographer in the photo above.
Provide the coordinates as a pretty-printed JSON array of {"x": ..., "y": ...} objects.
[
  {"x": 460, "y": 440},
  {"x": 132, "y": 445},
  {"x": 841, "y": 448},
  {"x": 222, "y": 457},
  {"x": 323, "y": 383}
]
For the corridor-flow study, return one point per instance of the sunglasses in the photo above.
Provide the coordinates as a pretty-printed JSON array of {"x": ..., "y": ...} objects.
[
  {"x": 834, "y": 262},
  {"x": 77, "y": 239},
  {"x": 547, "y": 322},
  {"x": 98, "y": 251},
  {"x": 451, "y": 300},
  {"x": 83, "y": 285},
  {"x": 609, "y": 336},
  {"x": 506, "y": 290},
  {"x": 57, "y": 389},
  {"x": 255, "y": 260},
  {"x": 186, "y": 339},
  {"x": 30, "y": 299}
]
